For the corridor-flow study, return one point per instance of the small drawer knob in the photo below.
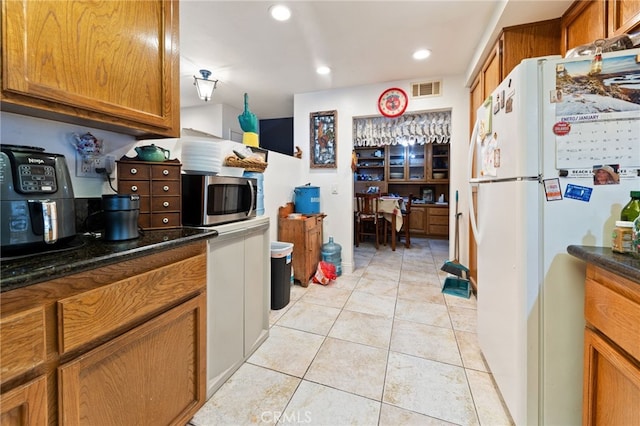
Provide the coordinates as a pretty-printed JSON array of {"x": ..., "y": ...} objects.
[
  {"x": 165, "y": 220},
  {"x": 134, "y": 188},
  {"x": 165, "y": 188},
  {"x": 165, "y": 204},
  {"x": 133, "y": 171},
  {"x": 165, "y": 172}
]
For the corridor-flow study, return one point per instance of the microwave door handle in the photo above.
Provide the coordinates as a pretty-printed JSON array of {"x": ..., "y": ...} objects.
[{"x": 253, "y": 198}]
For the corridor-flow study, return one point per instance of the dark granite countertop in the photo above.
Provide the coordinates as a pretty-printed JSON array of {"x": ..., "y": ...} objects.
[
  {"x": 621, "y": 264},
  {"x": 88, "y": 252}
]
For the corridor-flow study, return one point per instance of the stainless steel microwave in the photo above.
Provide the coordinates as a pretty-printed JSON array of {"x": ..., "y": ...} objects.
[{"x": 213, "y": 200}]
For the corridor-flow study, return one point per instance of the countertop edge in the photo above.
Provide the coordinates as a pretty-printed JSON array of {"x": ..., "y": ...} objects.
[
  {"x": 621, "y": 264},
  {"x": 106, "y": 257}
]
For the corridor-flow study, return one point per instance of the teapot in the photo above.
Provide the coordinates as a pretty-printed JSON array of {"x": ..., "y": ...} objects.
[{"x": 152, "y": 153}]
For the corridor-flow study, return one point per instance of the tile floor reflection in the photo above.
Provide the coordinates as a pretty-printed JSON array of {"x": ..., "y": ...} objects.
[{"x": 380, "y": 346}]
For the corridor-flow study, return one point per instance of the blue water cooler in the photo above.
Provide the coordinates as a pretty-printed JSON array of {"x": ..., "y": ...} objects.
[{"x": 259, "y": 177}]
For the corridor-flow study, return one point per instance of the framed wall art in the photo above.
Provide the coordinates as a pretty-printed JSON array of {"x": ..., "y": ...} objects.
[{"x": 323, "y": 139}]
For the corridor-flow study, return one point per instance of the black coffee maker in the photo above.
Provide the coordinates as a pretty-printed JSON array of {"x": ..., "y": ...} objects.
[{"x": 37, "y": 208}]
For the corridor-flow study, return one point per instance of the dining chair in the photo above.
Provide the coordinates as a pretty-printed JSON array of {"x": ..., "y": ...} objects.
[
  {"x": 406, "y": 218},
  {"x": 369, "y": 221}
]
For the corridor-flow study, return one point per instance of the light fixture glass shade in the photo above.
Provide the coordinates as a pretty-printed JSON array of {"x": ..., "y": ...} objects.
[{"x": 204, "y": 86}]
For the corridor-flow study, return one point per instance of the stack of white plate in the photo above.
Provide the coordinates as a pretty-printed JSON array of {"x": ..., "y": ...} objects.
[{"x": 201, "y": 156}]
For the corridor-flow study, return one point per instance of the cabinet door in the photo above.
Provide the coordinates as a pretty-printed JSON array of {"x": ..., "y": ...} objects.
[
  {"x": 611, "y": 390},
  {"x": 624, "y": 16},
  {"x": 119, "y": 383},
  {"x": 584, "y": 22},
  {"x": 225, "y": 342},
  {"x": 256, "y": 294},
  {"x": 25, "y": 405},
  {"x": 397, "y": 162},
  {"x": 416, "y": 162},
  {"x": 314, "y": 248},
  {"x": 110, "y": 64},
  {"x": 492, "y": 71},
  {"x": 418, "y": 220}
]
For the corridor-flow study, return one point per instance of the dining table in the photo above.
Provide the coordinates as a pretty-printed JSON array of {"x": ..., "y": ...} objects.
[{"x": 391, "y": 208}]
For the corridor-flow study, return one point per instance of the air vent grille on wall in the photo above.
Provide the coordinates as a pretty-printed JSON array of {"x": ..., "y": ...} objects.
[{"x": 426, "y": 88}]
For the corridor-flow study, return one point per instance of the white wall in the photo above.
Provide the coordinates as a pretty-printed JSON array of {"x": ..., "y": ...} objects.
[
  {"x": 361, "y": 101},
  {"x": 57, "y": 137}
]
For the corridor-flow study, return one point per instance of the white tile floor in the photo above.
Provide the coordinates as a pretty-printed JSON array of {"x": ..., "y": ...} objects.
[{"x": 381, "y": 346}]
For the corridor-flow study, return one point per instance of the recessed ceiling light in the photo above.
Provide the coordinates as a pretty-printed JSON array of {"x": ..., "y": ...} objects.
[
  {"x": 421, "y": 54},
  {"x": 280, "y": 12},
  {"x": 323, "y": 70}
]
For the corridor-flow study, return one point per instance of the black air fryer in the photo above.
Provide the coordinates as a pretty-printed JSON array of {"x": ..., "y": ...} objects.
[
  {"x": 37, "y": 204},
  {"x": 121, "y": 212}
]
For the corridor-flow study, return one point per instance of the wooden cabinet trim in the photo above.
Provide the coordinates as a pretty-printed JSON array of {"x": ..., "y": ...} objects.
[
  {"x": 26, "y": 404},
  {"x": 106, "y": 310}
]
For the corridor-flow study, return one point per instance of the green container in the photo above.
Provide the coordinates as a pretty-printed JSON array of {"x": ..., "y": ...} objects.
[{"x": 631, "y": 211}]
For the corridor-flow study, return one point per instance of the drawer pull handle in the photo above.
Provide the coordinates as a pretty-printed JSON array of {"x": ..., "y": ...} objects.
[
  {"x": 133, "y": 171},
  {"x": 165, "y": 172},
  {"x": 165, "y": 188},
  {"x": 134, "y": 188},
  {"x": 165, "y": 204},
  {"x": 165, "y": 220}
]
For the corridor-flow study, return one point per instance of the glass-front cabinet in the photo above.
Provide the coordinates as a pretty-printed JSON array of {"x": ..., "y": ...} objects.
[
  {"x": 439, "y": 161},
  {"x": 407, "y": 163}
]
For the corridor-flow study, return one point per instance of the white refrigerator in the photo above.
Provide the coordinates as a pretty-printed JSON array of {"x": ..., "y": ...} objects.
[{"x": 538, "y": 144}]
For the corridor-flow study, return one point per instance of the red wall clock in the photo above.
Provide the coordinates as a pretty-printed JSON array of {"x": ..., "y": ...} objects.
[{"x": 393, "y": 102}]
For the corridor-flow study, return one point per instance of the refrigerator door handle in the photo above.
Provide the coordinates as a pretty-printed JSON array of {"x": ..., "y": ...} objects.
[{"x": 472, "y": 184}]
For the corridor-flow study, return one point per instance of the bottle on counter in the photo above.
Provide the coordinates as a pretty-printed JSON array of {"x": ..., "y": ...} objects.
[
  {"x": 631, "y": 211},
  {"x": 635, "y": 238}
]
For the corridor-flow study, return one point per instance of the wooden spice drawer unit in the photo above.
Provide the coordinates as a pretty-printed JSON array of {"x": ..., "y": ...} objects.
[{"x": 159, "y": 188}]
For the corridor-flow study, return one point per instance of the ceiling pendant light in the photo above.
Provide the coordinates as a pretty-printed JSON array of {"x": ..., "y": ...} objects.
[{"x": 205, "y": 86}]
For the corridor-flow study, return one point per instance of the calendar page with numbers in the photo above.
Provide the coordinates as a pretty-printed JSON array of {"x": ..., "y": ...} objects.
[{"x": 598, "y": 113}]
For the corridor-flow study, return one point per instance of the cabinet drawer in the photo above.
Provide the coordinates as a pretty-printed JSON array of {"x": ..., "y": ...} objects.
[
  {"x": 165, "y": 220},
  {"x": 615, "y": 315},
  {"x": 438, "y": 212},
  {"x": 134, "y": 171},
  {"x": 165, "y": 187},
  {"x": 140, "y": 187},
  {"x": 438, "y": 220},
  {"x": 116, "y": 307},
  {"x": 22, "y": 346},
  {"x": 165, "y": 172},
  {"x": 168, "y": 203},
  {"x": 439, "y": 229}
]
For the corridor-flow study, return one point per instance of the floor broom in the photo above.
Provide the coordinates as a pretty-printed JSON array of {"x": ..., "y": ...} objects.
[{"x": 456, "y": 286}]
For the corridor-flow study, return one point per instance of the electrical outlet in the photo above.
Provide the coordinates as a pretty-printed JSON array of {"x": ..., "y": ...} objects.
[{"x": 86, "y": 165}]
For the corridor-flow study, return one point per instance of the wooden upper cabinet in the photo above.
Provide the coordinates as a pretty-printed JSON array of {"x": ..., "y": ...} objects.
[
  {"x": 111, "y": 65},
  {"x": 529, "y": 41},
  {"x": 583, "y": 23},
  {"x": 623, "y": 16}
]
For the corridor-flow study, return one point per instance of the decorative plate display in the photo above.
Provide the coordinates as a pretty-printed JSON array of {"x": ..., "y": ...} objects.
[{"x": 393, "y": 102}]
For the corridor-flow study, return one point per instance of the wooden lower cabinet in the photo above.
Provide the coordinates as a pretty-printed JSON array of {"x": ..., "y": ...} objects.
[
  {"x": 611, "y": 386},
  {"x": 25, "y": 405},
  {"x": 306, "y": 236},
  {"x": 429, "y": 221},
  {"x": 151, "y": 375},
  {"x": 119, "y": 344}
]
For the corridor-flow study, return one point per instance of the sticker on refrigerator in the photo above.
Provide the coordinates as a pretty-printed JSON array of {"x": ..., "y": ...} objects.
[
  {"x": 552, "y": 189},
  {"x": 577, "y": 192},
  {"x": 606, "y": 174},
  {"x": 488, "y": 147}
]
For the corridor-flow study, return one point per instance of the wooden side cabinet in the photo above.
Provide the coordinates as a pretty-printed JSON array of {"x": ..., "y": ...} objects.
[
  {"x": 82, "y": 62},
  {"x": 25, "y": 405},
  {"x": 306, "y": 236},
  {"x": 611, "y": 387}
]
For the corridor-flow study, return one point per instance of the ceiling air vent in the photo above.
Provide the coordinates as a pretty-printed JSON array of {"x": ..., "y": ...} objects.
[{"x": 426, "y": 88}]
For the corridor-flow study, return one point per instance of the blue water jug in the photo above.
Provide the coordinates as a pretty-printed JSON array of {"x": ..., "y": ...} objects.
[{"x": 332, "y": 253}]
